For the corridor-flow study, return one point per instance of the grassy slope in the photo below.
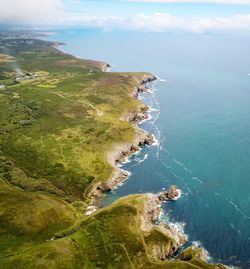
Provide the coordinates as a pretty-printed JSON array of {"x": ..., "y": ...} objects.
[
  {"x": 30, "y": 217},
  {"x": 111, "y": 238},
  {"x": 74, "y": 113},
  {"x": 55, "y": 131}
]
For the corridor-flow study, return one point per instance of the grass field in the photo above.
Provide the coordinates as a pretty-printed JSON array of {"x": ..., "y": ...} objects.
[
  {"x": 110, "y": 238},
  {"x": 58, "y": 121},
  {"x": 57, "y": 127}
]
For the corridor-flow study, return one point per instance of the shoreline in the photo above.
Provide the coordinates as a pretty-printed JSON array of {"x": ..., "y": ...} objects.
[
  {"x": 120, "y": 154},
  {"x": 151, "y": 218},
  {"x": 153, "y": 212},
  {"x": 143, "y": 210},
  {"x": 123, "y": 151}
]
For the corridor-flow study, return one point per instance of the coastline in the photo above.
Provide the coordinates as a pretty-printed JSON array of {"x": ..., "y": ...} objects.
[
  {"x": 151, "y": 203},
  {"x": 151, "y": 216},
  {"x": 122, "y": 151},
  {"x": 119, "y": 155}
]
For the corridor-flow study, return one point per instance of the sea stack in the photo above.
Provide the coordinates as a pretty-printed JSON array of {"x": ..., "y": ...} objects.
[{"x": 171, "y": 194}]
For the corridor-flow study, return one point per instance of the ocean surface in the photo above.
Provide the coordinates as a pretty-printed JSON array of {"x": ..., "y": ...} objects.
[{"x": 201, "y": 119}]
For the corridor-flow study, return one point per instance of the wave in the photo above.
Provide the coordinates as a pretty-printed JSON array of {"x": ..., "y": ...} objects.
[
  {"x": 179, "y": 195},
  {"x": 171, "y": 171},
  {"x": 139, "y": 160},
  {"x": 166, "y": 165},
  {"x": 178, "y": 227},
  {"x": 234, "y": 228},
  {"x": 137, "y": 152},
  {"x": 145, "y": 158},
  {"x": 237, "y": 208},
  {"x": 125, "y": 161},
  {"x": 197, "y": 179},
  {"x": 120, "y": 184},
  {"x": 162, "y": 79},
  {"x": 184, "y": 167},
  {"x": 205, "y": 254},
  {"x": 178, "y": 162},
  {"x": 149, "y": 117},
  {"x": 152, "y": 109},
  {"x": 156, "y": 142}
]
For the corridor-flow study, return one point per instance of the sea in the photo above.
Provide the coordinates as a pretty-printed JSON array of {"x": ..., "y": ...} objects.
[{"x": 200, "y": 117}]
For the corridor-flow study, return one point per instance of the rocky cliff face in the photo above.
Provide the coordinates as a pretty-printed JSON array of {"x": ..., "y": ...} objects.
[
  {"x": 142, "y": 88},
  {"x": 122, "y": 151},
  {"x": 164, "y": 239},
  {"x": 116, "y": 157}
]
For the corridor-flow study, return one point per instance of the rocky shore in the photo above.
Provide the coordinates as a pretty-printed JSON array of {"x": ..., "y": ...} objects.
[
  {"x": 150, "y": 219},
  {"x": 122, "y": 151}
]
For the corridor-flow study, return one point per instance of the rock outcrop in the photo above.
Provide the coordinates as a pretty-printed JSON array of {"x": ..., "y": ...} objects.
[
  {"x": 171, "y": 194},
  {"x": 116, "y": 157},
  {"x": 104, "y": 66},
  {"x": 142, "y": 88},
  {"x": 172, "y": 238},
  {"x": 148, "y": 77}
]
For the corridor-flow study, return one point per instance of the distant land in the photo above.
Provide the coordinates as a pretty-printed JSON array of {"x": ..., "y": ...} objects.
[{"x": 65, "y": 126}]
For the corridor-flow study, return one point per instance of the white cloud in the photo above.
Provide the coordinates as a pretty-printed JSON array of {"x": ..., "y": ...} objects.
[
  {"x": 194, "y": 1},
  {"x": 29, "y": 11},
  {"x": 53, "y": 12},
  {"x": 156, "y": 22},
  {"x": 163, "y": 22}
]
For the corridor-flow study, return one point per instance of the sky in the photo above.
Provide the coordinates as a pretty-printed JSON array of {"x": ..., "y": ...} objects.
[{"x": 141, "y": 15}]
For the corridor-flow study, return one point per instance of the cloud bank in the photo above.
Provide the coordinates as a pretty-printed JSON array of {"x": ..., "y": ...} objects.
[
  {"x": 30, "y": 11},
  {"x": 164, "y": 22},
  {"x": 49, "y": 12}
]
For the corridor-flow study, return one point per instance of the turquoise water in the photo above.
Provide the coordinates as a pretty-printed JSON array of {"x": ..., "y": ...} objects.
[{"x": 201, "y": 119}]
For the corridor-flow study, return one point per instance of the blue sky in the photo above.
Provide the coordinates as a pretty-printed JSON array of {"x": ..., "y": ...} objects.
[
  {"x": 126, "y": 8},
  {"x": 136, "y": 15}
]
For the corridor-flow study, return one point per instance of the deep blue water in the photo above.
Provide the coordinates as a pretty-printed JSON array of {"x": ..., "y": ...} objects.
[{"x": 203, "y": 129}]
